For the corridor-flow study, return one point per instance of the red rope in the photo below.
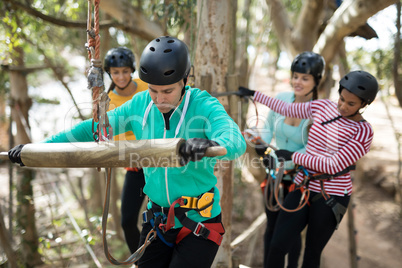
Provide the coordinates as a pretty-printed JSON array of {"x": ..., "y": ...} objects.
[
  {"x": 96, "y": 26},
  {"x": 94, "y": 52}
]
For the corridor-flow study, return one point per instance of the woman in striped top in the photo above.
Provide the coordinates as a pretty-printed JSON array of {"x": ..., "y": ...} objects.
[
  {"x": 338, "y": 137},
  {"x": 290, "y": 134}
]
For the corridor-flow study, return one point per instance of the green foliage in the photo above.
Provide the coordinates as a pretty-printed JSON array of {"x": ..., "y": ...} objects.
[
  {"x": 175, "y": 13},
  {"x": 293, "y": 8},
  {"x": 379, "y": 62}
]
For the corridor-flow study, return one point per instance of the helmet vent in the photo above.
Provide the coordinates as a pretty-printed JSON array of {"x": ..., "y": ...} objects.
[
  {"x": 167, "y": 50},
  {"x": 170, "y": 41},
  {"x": 361, "y": 88},
  {"x": 152, "y": 49},
  {"x": 144, "y": 70},
  {"x": 157, "y": 40},
  {"x": 168, "y": 73}
]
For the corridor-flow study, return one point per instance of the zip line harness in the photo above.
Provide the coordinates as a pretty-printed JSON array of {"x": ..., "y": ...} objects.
[
  {"x": 162, "y": 219},
  {"x": 276, "y": 185},
  {"x": 338, "y": 209}
]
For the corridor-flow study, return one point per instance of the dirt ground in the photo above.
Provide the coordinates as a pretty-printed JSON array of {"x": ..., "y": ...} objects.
[{"x": 378, "y": 224}]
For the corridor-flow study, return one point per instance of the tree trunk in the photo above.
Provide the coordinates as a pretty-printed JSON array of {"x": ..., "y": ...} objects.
[
  {"x": 26, "y": 210},
  {"x": 215, "y": 59},
  {"x": 3, "y": 124},
  {"x": 398, "y": 91},
  {"x": 397, "y": 56},
  {"x": 5, "y": 243}
]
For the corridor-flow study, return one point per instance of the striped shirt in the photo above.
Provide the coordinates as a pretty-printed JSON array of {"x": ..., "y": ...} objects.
[{"x": 331, "y": 147}]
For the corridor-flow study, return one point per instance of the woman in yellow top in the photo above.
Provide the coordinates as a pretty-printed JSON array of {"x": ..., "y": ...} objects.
[{"x": 120, "y": 65}]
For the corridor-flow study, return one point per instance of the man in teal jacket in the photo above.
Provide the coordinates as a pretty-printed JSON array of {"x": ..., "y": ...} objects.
[{"x": 170, "y": 109}]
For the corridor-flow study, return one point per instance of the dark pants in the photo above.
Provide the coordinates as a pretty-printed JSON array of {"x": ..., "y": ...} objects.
[
  {"x": 131, "y": 201},
  {"x": 321, "y": 224},
  {"x": 294, "y": 253},
  {"x": 192, "y": 251}
]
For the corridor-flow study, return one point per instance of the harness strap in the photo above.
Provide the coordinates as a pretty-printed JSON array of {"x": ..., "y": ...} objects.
[
  {"x": 171, "y": 214},
  {"x": 211, "y": 231},
  {"x": 325, "y": 176}
]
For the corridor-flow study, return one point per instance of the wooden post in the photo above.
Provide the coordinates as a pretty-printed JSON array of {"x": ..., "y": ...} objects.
[
  {"x": 5, "y": 243},
  {"x": 352, "y": 234}
]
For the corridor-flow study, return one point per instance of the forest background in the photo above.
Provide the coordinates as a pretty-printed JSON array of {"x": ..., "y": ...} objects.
[{"x": 246, "y": 42}]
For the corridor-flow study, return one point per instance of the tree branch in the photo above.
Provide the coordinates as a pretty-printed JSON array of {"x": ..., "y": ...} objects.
[
  {"x": 281, "y": 25},
  {"x": 305, "y": 33},
  {"x": 346, "y": 19},
  {"x": 59, "y": 22},
  {"x": 139, "y": 26},
  {"x": 25, "y": 69}
]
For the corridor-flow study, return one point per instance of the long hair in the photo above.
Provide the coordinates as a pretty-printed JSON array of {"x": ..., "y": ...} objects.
[{"x": 111, "y": 87}]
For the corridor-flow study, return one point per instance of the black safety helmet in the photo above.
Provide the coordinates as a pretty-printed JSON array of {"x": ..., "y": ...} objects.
[
  {"x": 119, "y": 57},
  {"x": 362, "y": 84},
  {"x": 164, "y": 61},
  {"x": 309, "y": 63}
]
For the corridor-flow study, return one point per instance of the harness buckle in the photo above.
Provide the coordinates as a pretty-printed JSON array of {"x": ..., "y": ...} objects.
[
  {"x": 201, "y": 230},
  {"x": 191, "y": 202},
  {"x": 145, "y": 216},
  {"x": 204, "y": 204}
]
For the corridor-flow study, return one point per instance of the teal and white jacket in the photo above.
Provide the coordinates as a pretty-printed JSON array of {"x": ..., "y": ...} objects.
[{"x": 198, "y": 116}]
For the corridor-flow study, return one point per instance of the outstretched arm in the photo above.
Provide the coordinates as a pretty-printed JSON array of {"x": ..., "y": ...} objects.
[{"x": 296, "y": 110}]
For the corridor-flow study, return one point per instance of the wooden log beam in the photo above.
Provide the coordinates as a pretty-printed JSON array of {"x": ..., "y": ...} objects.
[
  {"x": 250, "y": 231},
  {"x": 138, "y": 153}
]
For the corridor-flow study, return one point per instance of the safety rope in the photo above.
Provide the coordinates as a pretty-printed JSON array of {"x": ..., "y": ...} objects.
[
  {"x": 140, "y": 251},
  {"x": 104, "y": 132},
  {"x": 305, "y": 190},
  {"x": 100, "y": 99}
]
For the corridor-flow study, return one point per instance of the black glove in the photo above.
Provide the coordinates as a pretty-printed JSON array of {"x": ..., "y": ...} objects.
[
  {"x": 269, "y": 162},
  {"x": 245, "y": 92},
  {"x": 194, "y": 149},
  {"x": 284, "y": 155},
  {"x": 15, "y": 154},
  {"x": 260, "y": 149}
]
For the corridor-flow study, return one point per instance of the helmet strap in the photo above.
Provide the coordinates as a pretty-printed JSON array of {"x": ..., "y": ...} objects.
[
  {"x": 358, "y": 110},
  {"x": 183, "y": 90},
  {"x": 364, "y": 109},
  {"x": 314, "y": 90}
]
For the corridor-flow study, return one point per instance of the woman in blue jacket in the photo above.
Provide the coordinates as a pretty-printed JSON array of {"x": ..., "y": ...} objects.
[{"x": 170, "y": 109}]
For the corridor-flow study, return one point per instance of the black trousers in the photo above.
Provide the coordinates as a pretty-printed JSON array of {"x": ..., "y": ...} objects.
[
  {"x": 321, "y": 224},
  {"x": 131, "y": 201},
  {"x": 272, "y": 216},
  {"x": 193, "y": 251}
]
